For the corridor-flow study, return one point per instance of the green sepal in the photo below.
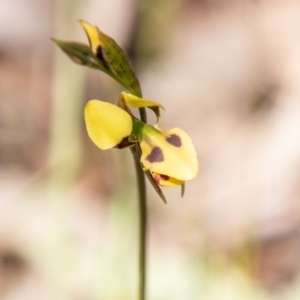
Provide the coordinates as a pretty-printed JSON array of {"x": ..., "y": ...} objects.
[
  {"x": 113, "y": 57},
  {"x": 82, "y": 54},
  {"x": 119, "y": 64}
]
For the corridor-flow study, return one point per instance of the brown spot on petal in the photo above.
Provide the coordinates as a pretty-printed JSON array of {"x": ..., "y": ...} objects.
[
  {"x": 174, "y": 140},
  {"x": 155, "y": 155}
]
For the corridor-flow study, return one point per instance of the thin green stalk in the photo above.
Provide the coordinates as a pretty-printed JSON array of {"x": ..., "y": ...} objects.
[
  {"x": 142, "y": 217},
  {"x": 142, "y": 225}
]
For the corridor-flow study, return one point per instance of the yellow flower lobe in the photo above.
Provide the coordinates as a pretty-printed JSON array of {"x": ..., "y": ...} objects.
[{"x": 107, "y": 125}]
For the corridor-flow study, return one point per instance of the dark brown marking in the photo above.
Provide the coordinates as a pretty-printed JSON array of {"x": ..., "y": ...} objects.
[
  {"x": 155, "y": 155},
  {"x": 174, "y": 140},
  {"x": 124, "y": 143},
  {"x": 159, "y": 177},
  {"x": 99, "y": 53},
  {"x": 101, "y": 56},
  {"x": 164, "y": 177}
]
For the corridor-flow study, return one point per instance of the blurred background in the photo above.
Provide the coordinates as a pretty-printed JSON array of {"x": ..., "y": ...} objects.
[{"x": 228, "y": 73}]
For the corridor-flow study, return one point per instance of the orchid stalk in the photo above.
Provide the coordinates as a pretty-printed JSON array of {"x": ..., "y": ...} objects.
[{"x": 167, "y": 157}]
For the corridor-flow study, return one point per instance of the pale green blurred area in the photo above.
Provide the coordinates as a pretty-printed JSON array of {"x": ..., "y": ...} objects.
[{"x": 228, "y": 73}]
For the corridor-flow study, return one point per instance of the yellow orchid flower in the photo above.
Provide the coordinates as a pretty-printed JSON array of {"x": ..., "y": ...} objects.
[{"x": 170, "y": 156}]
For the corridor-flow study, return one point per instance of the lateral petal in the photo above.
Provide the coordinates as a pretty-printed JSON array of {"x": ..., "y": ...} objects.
[
  {"x": 171, "y": 153},
  {"x": 107, "y": 124}
]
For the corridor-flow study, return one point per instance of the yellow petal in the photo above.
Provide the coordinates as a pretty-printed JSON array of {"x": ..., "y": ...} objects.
[
  {"x": 93, "y": 35},
  {"x": 134, "y": 101},
  {"x": 107, "y": 124},
  {"x": 171, "y": 153},
  {"x": 166, "y": 181},
  {"x": 138, "y": 102}
]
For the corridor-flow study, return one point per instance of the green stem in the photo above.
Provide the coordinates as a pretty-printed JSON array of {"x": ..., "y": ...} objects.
[
  {"x": 142, "y": 217},
  {"x": 142, "y": 225}
]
